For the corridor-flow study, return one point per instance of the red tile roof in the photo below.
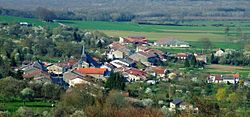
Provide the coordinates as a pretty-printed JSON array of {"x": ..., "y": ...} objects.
[
  {"x": 99, "y": 71},
  {"x": 136, "y": 72},
  {"x": 182, "y": 55},
  {"x": 158, "y": 70},
  {"x": 236, "y": 76},
  {"x": 141, "y": 40}
]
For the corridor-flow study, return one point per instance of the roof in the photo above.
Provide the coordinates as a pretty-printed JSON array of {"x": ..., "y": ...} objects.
[
  {"x": 171, "y": 41},
  {"x": 116, "y": 45},
  {"x": 148, "y": 55},
  {"x": 31, "y": 73},
  {"x": 136, "y": 72},
  {"x": 120, "y": 47},
  {"x": 231, "y": 76},
  {"x": 158, "y": 70},
  {"x": 99, "y": 71},
  {"x": 177, "y": 101},
  {"x": 181, "y": 55},
  {"x": 136, "y": 39}
]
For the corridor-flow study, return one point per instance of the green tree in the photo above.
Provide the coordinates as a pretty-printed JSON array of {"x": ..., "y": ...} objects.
[
  {"x": 193, "y": 61},
  {"x": 51, "y": 91},
  {"x": 115, "y": 81},
  {"x": 10, "y": 88},
  {"x": 27, "y": 94},
  {"x": 186, "y": 63},
  {"x": 115, "y": 99}
]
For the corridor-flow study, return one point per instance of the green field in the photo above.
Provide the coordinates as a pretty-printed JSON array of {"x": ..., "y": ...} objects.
[
  {"x": 38, "y": 106},
  {"x": 191, "y": 31},
  {"x": 35, "y": 22}
]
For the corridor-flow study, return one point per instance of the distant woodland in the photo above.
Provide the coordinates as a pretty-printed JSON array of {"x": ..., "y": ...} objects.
[{"x": 142, "y": 11}]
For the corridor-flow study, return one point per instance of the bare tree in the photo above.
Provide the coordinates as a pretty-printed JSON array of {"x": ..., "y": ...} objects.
[{"x": 45, "y": 14}]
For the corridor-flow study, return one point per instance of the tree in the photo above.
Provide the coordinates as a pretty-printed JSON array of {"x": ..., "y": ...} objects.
[
  {"x": 221, "y": 94},
  {"x": 27, "y": 94},
  {"x": 187, "y": 64},
  {"x": 115, "y": 99},
  {"x": 115, "y": 81},
  {"x": 206, "y": 43},
  {"x": 193, "y": 61},
  {"x": 10, "y": 88},
  {"x": 45, "y": 14},
  {"x": 51, "y": 91},
  {"x": 227, "y": 29},
  {"x": 77, "y": 99}
]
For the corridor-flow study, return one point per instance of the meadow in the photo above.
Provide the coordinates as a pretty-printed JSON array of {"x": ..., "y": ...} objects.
[
  {"x": 190, "y": 31},
  {"x": 37, "y": 105}
]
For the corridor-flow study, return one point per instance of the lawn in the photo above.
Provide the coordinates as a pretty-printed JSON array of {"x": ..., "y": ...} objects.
[{"x": 37, "y": 105}]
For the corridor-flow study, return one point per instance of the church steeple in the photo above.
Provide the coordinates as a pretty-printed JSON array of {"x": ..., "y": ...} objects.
[
  {"x": 83, "y": 52},
  {"x": 83, "y": 60}
]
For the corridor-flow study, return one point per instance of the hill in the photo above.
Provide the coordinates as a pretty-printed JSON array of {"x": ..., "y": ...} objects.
[{"x": 140, "y": 10}]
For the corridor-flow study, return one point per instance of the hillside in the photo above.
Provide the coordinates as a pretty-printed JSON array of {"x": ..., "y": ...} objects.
[{"x": 149, "y": 10}]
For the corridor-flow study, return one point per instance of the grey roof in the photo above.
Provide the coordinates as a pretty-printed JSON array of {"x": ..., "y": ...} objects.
[
  {"x": 177, "y": 101},
  {"x": 171, "y": 42}
]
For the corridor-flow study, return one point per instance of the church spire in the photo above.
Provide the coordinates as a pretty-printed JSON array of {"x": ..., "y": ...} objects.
[{"x": 83, "y": 52}]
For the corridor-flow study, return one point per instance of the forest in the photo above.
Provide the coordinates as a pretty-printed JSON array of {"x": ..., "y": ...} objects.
[{"x": 142, "y": 11}]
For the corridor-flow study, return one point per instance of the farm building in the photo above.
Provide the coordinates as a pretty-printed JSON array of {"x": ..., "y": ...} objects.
[
  {"x": 172, "y": 42},
  {"x": 134, "y": 40}
]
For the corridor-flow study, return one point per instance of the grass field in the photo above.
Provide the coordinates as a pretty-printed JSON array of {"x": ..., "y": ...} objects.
[
  {"x": 35, "y": 22},
  {"x": 38, "y": 106},
  {"x": 227, "y": 69},
  {"x": 191, "y": 31}
]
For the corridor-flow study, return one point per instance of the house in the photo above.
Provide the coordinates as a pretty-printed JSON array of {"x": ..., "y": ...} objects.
[
  {"x": 145, "y": 58},
  {"x": 227, "y": 78},
  {"x": 172, "y": 42},
  {"x": 25, "y": 24},
  {"x": 214, "y": 78},
  {"x": 134, "y": 40},
  {"x": 70, "y": 75},
  {"x": 35, "y": 73},
  {"x": 108, "y": 66},
  {"x": 201, "y": 57},
  {"x": 157, "y": 71},
  {"x": 133, "y": 74},
  {"x": 56, "y": 69},
  {"x": 118, "y": 46},
  {"x": 231, "y": 78},
  {"x": 115, "y": 54},
  {"x": 219, "y": 53},
  {"x": 188, "y": 107},
  {"x": 182, "y": 56},
  {"x": 98, "y": 73},
  {"x": 122, "y": 63},
  {"x": 175, "y": 104},
  {"x": 76, "y": 81},
  {"x": 35, "y": 70}
]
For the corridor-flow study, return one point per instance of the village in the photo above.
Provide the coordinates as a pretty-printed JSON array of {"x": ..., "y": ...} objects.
[{"x": 136, "y": 59}]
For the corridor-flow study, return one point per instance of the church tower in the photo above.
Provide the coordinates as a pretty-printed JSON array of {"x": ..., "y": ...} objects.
[{"x": 83, "y": 60}]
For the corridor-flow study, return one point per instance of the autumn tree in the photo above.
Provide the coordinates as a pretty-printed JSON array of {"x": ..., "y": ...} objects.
[{"x": 221, "y": 94}]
